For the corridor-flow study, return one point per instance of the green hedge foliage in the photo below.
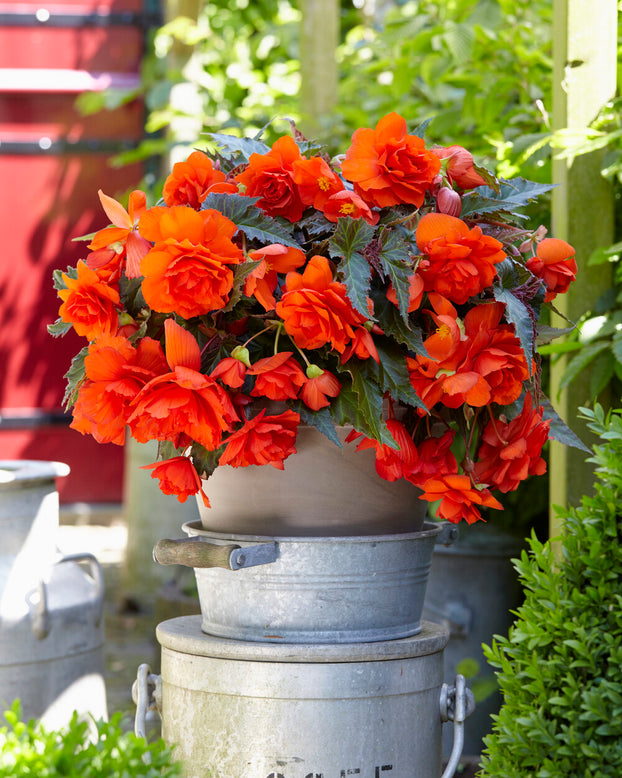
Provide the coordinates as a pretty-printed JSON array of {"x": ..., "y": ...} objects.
[
  {"x": 83, "y": 749},
  {"x": 560, "y": 668}
]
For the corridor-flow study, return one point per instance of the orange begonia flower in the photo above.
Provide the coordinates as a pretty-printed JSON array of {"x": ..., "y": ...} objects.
[
  {"x": 433, "y": 377},
  {"x": 231, "y": 372},
  {"x": 495, "y": 353},
  {"x": 347, "y": 203},
  {"x": 178, "y": 476},
  {"x": 120, "y": 248},
  {"x": 315, "y": 309},
  {"x": 115, "y": 373},
  {"x": 182, "y": 405},
  {"x": 460, "y": 262},
  {"x": 263, "y": 280},
  {"x": 434, "y": 457},
  {"x": 191, "y": 181},
  {"x": 278, "y": 377},
  {"x": 459, "y": 168},
  {"x": 458, "y": 498},
  {"x": 510, "y": 451},
  {"x": 362, "y": 345},
  {"x": 89, "y": 304},
  {"x": 319, "y": 386},
  {"x": 555, "y": 264},
  {"x": 271, "y": 178},
  {"x": 475, "y": 363},
  {"x": 388, "y": 166},
  {"x": 391, "y": 464},
  {"x": 188, "y": 270},
  {"x": 263, "y": 440},
  {"x": 316, "y": 181}
]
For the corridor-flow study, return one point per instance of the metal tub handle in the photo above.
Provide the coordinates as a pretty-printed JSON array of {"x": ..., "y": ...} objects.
[
  {"x": 456, "y": 703},
  {"x": 196, "y": 552}
]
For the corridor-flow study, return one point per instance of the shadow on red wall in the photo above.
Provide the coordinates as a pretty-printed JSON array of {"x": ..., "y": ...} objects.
[{"x": 52, "y": 162}]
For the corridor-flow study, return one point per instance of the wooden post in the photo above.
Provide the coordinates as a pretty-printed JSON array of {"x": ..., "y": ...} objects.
[
  {"x": 584, "y": 49},
  {"x": 319, "y": 37}
]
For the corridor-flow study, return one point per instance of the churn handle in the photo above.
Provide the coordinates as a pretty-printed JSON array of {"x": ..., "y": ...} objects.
[
  {"x": 457, "y": 702},
  {"x": 147, "y": 696},
  {"x": 97, "y": 575}
]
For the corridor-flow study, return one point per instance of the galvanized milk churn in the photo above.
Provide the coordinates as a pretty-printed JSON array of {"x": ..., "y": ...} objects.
[
  {"x": 309, "y": 660},
  {"x": 51, "y": 630}
]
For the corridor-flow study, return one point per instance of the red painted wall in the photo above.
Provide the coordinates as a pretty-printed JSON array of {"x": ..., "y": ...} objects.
[{"x": 52, "y": 162}]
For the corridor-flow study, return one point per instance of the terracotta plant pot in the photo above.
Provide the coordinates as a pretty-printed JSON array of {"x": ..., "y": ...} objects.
[{"x": 324, "y": 490}]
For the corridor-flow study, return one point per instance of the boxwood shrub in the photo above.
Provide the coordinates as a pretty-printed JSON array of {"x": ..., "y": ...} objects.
[{"x": 560, "y": 668}]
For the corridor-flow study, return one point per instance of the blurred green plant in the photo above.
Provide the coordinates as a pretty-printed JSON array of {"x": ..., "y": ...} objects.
[
  {"x": 480, "y": 68},
  {"x": 87, "y": 749}
]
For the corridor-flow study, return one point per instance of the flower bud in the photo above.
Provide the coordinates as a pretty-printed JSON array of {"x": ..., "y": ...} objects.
[
  {"x": 314, "y": 371},
  {"x": 449, "y": 202},
  {"x": 241, "y": 354},
  {"x": 437, "y": 183}
]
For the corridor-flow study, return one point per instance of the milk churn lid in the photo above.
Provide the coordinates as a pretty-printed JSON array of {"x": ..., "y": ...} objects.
[
  {"x": 16, "y": 471},
  {"x": 184, "y": 634}
]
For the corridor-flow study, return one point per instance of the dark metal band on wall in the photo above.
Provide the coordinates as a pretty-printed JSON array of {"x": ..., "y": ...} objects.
[
  {"x": 44, "y": 18},
  {"x": 31, "y": 419},
  {"x": 49, "y": 147}
]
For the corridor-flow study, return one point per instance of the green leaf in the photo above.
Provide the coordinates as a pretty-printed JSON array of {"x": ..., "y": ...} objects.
[
  {"x": 205, "y": 461},
  {"x": 249, "y": 219},
  {"x": 517, "y": 313},
  {"x": 491, "y": 180},
  {"x": 361, "y": 405},
  {"x": 483, "y": 688},
  {"x": 350, "y": 239},
  {"x": 561, "y": 348},
  {"x": 75, "y": 376},
  {"x": 616, "y": 347},
  {"x": 392, "y": 374},
  {"x": 513, "y": 194},
  {"x": 390, "y": 321},
  {"x": 468, "y": 667},
  {"x": 240, "y": 274},
  {"x": 59, "y": 328},
  {"x": 57, "y": 277},
  {"x": 321, "y": 419},
  {"x": 581, "y": 360},
  {"x": 395, "y": 261},
  {"x": 166, "y": 450},
  {"x": 420, "y": 129},
  {"x": 546, "y": 334},
  {"x": 601, "y": 373},
  {"x": 602, "y": 255},
  {"x": 240, "y": 147},
  {"x": 559, "y": 430}
]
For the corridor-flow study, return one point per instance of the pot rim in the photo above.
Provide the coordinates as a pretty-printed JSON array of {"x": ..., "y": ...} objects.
[
  {"x": 18, "y": 470},
  {"x": 195, "y": 528}
]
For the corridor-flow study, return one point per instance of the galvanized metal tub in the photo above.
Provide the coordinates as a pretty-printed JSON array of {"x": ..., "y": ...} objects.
[
  {"x": 247, "y": 710},
  {"x": 308, "y": 589}
]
